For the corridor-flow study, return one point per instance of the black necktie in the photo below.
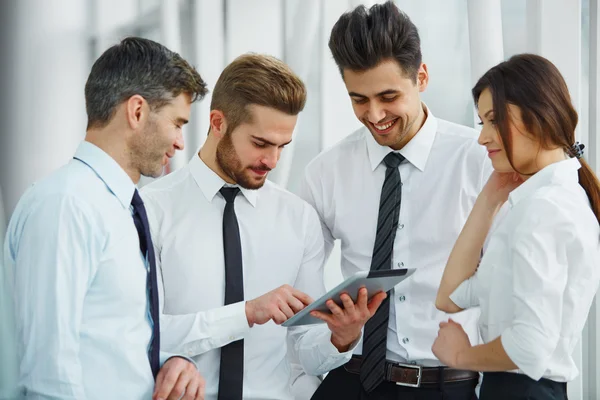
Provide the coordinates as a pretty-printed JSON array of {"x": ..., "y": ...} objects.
[
  {"x": 372, "y": 369},
  {"x": 231, "y": 373},
  {"x": 140, "y": 218}
]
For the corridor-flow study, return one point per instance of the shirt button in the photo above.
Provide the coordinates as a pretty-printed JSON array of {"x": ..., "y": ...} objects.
[
  {"x": 401, "y": 226},
  {"x": 405, "y": 340},
  {"x": 402, "y": 298},
  {"x": 400, "y": 264},
  {"x": 231, "y": 338}
]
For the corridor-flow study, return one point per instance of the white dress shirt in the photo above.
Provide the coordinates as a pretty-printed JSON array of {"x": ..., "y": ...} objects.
[
  {"x": 539, "y": 273},
  {"x": 441, "y": 179},
  {"x": 282, "y": 244},
  {"x": 78, "y": 280}
]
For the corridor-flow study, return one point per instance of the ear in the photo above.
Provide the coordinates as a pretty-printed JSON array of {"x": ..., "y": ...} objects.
[
  {"x": 136, "y": 111},
  {"x": 422, "y": 77},
  {"x": 218, "y": 123}
]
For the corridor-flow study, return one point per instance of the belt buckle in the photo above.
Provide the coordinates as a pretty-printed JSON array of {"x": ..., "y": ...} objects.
[{"x": 409, "y": 366}]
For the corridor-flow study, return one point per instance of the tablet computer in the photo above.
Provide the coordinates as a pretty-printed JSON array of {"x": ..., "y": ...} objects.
[{"x": 374, "y": 281}]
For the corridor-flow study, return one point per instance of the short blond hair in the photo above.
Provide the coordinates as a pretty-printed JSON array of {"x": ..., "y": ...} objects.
[{"x": 257, "y": 79}]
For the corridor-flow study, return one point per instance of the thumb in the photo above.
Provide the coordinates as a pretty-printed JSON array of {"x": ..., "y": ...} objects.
[{"x": 376, "y": 301}]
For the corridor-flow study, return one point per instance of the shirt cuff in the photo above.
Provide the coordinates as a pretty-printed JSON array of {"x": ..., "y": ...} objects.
[
  {"x": 235, "y": 321},
  {"x": 230, "y": 322},
  {"x": 463, "y": 295},
  {"x": 226, "y": 324},
  {"x": 164, "y": 357},
  {"x": 327, "y": 348}
]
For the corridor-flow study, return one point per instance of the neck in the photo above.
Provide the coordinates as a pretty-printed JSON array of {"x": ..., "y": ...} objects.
[
  {"x": 544, "y": 159},
  {"x": 208, "y": 154},
  {"x": 414, "y": 129},
  {"x": 113, "y": 143}
]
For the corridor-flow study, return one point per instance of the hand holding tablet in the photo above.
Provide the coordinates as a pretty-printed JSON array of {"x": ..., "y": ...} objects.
[{"x": 373, "y": 281}]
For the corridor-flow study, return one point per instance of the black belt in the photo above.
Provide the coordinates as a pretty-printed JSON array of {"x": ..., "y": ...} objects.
[{"x": 415, "y": 375}]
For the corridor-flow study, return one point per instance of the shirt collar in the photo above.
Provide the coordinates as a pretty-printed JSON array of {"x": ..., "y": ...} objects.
[
  {"x": 561, "y": 172},
  {"x": 416, "y": 151},
  {"x": 210, "y": 183},
  {"x": 107, "y": 169}
]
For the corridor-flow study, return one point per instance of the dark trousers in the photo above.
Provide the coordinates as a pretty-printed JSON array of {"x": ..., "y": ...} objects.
[
  {"x": 343, "y": 385},
  {"x": 507, "y": 385}
]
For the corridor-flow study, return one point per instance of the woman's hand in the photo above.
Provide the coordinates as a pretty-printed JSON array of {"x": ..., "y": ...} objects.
[
  {"x": 499, "y": 185},
  {"x": 451, "y": 340}
]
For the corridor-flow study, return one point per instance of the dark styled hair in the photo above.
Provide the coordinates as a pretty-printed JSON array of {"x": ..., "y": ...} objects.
[
  {"x": 138, "y": 66},
  {"x": 362, "y": 38},
  {"x": 535, "y": 85},
  {"x": 257, "y": 79}
]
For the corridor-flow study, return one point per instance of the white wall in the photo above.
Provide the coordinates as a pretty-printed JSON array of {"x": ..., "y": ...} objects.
[{"x": 45, "y": 94}]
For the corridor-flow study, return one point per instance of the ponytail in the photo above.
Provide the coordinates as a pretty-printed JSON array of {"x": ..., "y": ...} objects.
[{"x": 591, "y": 185}]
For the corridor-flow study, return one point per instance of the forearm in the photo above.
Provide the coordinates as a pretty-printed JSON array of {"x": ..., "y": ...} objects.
[
  {"x": 489, "y": 357},
  {"x": 466, "y": 253}
]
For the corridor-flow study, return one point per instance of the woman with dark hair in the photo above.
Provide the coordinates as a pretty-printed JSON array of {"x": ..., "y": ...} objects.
[{"x": 536, "y": 223}]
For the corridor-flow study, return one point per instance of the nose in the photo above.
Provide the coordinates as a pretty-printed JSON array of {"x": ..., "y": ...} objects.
[
  {"x": 376, "y": 113},
  {"x": 271, "y": 157},
  {"x": 484, "y": 136},
  {"x": 480, "y": 139},
  {"x": 179, "y": 144}
]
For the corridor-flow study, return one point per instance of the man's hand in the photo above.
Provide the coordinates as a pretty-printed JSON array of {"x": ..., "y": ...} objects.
[
  {"x": 346, "y": 324},
  {"x": 451, "y": 340},
  {"x": 278, "y": 305},
  {"x": 176, "y": 377}
]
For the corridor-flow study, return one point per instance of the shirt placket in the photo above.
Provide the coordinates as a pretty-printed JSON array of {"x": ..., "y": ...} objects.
[{"x": 401, "y": 259}]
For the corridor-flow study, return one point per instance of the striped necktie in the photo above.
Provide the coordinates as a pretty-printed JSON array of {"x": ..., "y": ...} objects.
[{"x": 375, "y": 332}]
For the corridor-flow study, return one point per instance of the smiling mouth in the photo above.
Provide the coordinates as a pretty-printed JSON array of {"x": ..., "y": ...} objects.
[
  {"x": 384, "y": 128},
  {"x": 261, "y": 172}
]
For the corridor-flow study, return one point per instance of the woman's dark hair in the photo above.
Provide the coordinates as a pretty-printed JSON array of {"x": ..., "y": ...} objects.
[{"x": 534, "y": 85}]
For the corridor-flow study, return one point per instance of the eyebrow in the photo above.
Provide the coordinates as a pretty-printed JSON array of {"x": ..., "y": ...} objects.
[
  {"x": 486, "y": 114},
  {"x": 385, "y": 92},
  {"x": 268, "y": 142}
]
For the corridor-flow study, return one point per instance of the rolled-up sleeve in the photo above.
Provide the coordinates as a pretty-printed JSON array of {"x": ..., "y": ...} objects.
[
  {"x": 539, "y": 266},
  {"x": 465, "y": 295}
]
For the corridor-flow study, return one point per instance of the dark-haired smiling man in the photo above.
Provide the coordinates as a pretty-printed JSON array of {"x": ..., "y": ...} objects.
[{"x": 396, "y": 193}]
